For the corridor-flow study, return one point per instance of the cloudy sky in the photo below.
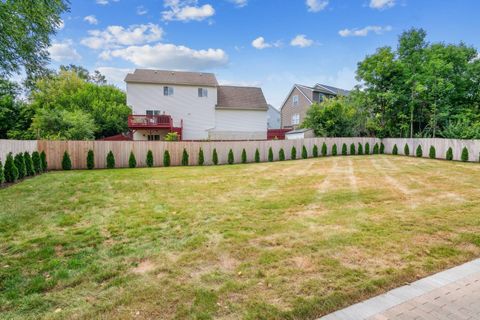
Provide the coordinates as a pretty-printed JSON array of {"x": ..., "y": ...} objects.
[{"x": 267, "y": 43}]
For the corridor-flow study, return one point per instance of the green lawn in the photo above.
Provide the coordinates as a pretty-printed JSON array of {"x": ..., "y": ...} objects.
[{"x": 286, "y": 240}]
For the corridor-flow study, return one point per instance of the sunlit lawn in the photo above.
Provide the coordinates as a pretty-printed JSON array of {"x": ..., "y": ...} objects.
[{"x": 293, "y": 240}]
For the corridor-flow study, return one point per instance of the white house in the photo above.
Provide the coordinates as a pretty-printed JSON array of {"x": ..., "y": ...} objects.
[{"x": 195, "y": 106}]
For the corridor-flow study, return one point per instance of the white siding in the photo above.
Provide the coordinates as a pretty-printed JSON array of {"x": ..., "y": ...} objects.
[
  {"x": 240, "y": 125},
  {"x": 198, "y": 114}
]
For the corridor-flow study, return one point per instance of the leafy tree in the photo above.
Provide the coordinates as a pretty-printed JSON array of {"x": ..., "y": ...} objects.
[
  {"x": 367, "y": 148},
  {"x": 37, "y": 162},
  {"x": 43, "y": 158},
  {"x": 90, "y": 160},
  {"x": 166, "y": 159},
  {"x": 375, "y": 148},
  {"x": 324, "y": 149},
  {"x": 20, "y": 164},
  {"x": 464, "y": 154},
  {"x": 110, "y": 160},
  {"x": 215, "y": 157},
  {"x": 293, "y": 153},
  {"x": 230, "y": 159},
  {"x": 149, "y": 160},
  {"x": 171, "y": 136},
  {"x": 29, "y": 164},
  {"x": 185, "y": 157},
  {"x": 66, "y": 161},
  {"x": 406, "y": 150},
  {"x": 244, "y": 156},
  {"x": 395, "y": 150},
  {"x": 315, "y": 151},
  {"x": 360, "y": 149},
  {"x": 15, "y": 115},
  {"x": 382, "y": 148},
  {"x": 419, "y": 151},
  {"x": 270, "y": 154},
  {"x": 432, "y": 153},
  {"x": 25, "y": 37},
  {"x": 201, "y": 158},
  {"x": 132, "y": 161},
  {"x": 334, "y": 150},
  {"x": 344, "y": 149},
  {"x": 2, "y": 174},
  {"x": 449, "y": 155},
  {"x": 10, "y": 170},
  {"x": 257, "y": 156},
  {"x": 304, "y": 153},
  {"x": 352, "y": 149}
]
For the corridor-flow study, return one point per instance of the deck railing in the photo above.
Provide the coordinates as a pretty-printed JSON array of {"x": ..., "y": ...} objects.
[{"x": 150, "y": 121}]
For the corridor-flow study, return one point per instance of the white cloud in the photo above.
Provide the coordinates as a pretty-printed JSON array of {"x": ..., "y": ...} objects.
[
  {"x": 381, "y": 4},
  {"x": 301, "y": 41},
  {"x": 240, "y": 3},
  {"x": 63, "y": 51},
  {"x": 316, "y": 5},
  {"x": 364, "y": 31},
  {"x": 186, "y": 10},
  {"x": 141, "y": 10},
  {"x": 116, "y": 36},
  {"x": 170, "y": 56},
  {"x": 91, "y": 19},
  {"x": 259, "y": 43},
  {"x": 105, "y": 2}
]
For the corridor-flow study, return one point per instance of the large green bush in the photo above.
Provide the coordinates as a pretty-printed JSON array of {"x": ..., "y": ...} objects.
[
  {"x": 293, "y": 153},
  {"x": 37, "y": 162},
  {"x": 166, "y": 158},
  {"x": 375, "y": 149},
  {"x": 28, "y": 164},
  {"x": 465, "y": 154},
  {"x": 257, "y": 156},
  {"x": 90, "y": 160},
  {"x": 324, "y": 149},
  {"x": 214, "y": 156},
  {"x": 334, "y": 150},
  {"x": 419, "y": 151},
  {"x": 406, "y": 150},
  {"x": 352, "y": 149},
  {"x": 432, "y": 153},
  {"x": 315, "y": 151},
  {"x": 201, "y": 157},
  {"x": 395, "y": 150},
  {"x": 382, "y": 148},
  {"x": 231, "y": 158},
  {"x": 185, "y": 157},
  {"x": 132, "y": 161},
  {"x": 281, "y": 155},
  {"x": 43, "y": 158},
  {"x": 110, "y": 160},
  {"x": 449, "y": 155},
  {"x": 149, "y": 161},
  {"x": 344, "y": 149},
  {"x": 10, "y": 170},
  {"x": 66, "y": 161},
  {"x": 20, "y": 164},
  {"x": 304, "y": 153},
  {"x": 360, "y": 149},
  {"x": 244, "y": 156},
  {"x": 270, "y": 154}
]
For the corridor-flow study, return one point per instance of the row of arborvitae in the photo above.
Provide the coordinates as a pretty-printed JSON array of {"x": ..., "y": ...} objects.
[
  {"x": 432, "y": 154},
  {"x": 22, "y": 165}
]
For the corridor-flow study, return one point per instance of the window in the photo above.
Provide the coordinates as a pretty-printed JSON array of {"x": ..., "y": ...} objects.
[
  {"x": 295, "y": 100},
  {"x": 153, "y": 112},
  {"x": 168, "y": 91},
  {"x": 153, "y": 137},
  {"x": 295, "y": 119},
  {"x": 202, "y": 92}
]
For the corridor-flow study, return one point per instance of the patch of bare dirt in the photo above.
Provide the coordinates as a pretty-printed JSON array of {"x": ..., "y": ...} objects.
[{"x": 144, "y": 267}]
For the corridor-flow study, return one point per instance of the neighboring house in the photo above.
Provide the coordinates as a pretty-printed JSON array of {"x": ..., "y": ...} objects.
[
  {"x": 294, "y": 108},
  {"x": 195, "y": 106},
  {"x": 274, "y": 120}
]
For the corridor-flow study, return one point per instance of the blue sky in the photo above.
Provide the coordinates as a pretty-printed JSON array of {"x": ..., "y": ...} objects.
[{"x": 267, "y": 43}]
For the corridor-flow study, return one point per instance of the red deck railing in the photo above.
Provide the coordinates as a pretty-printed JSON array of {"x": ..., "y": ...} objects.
[{"x": 150, "y": 122}]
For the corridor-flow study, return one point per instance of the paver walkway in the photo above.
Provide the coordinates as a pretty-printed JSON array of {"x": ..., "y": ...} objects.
[{"x": 451, "y": 294}]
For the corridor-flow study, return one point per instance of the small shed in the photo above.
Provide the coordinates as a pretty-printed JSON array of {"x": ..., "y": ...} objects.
[{"x": 300, "y": 134}]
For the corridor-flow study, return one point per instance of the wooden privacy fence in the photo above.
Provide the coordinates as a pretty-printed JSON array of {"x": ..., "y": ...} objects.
[{"x": 121, "y": 149}]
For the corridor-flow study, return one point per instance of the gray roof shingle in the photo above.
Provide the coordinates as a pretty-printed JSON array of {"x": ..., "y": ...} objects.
[
  {"x": 241, "y": 98},
  {"x": 172, "y": 77}
]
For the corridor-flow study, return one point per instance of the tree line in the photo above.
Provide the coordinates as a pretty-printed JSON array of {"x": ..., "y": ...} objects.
[{"x": 418, "y": 89}]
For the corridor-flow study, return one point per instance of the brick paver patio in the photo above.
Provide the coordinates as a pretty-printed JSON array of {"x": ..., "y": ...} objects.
[{"x": 451, "y": 294}]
